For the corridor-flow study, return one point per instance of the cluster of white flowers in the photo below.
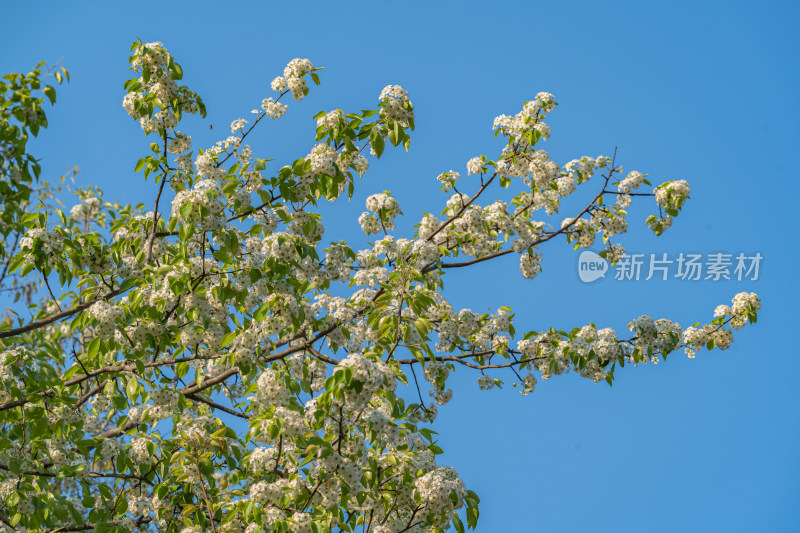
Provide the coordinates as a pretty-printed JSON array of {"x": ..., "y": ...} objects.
[
  {"x": 179, "y": 143},
  {"x": 262, "y": 459},
  {"x": 530, "y": 264},
  {"x": 293, "y": 78},
  {"x": 528, "y": 384},
  {"x": 107, "y": 316},
  {"x": 436, "y": 373},
  {"x": 273, "y": 109},
  {"x": 353, "y": 160},
  {"x": 527, "y": 234},
  {"x": 645, "y": 329},
  {"x": 396, "y": 105},
  {"x": 535, "y": 167},
  {"x": 580, "y": 230},
  {"x": 165, "y": 403},
  {"x": 486, "y": 382},
  {"x": 383, "y": 204},
  {"x": 476, "y": 165},
  {"x": 330, "y": 119},
  {"x": 156, "y": 87},
  {"x": 237, "y": 125},
  {"x": 441, "y": 491},
  {"x": 744, "y": 308},
  {"x": 609, "y": 221},
  {"x": 542, "y": 170},
  {"x": 672, "y": 194},
  {"x": 323, "y": 160},
  {"x": 271, "y": 388},
  {"x": 393, "y": 91},
  {"x": 631, "y": 182},
  {"x": 614, "y": 252},
  {"x": 744, "y": 303},
  {"x": 529, "y": 117},
  {"x": 371, "y": 374},
  {"x": 480, "y": 333},
  {"x": 203, "y": 205},
  {"x": 582, "y": 169},
  {"x": 139, "y": 452},
  {"x": 50, "y": 241},
  {"x": 87, "y": 211},
  {"x": 110, "y": 449},
  {"x": 383, "y": 208},
  {"x": 25, "y": 507},
  {"x": 292, "y": 421},
  {"x": 10, "y": 359},
  {"x": 448, "y": 179},
  {"x": 94, "y": 259}
]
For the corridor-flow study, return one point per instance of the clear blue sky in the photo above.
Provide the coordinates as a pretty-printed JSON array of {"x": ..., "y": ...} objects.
[{"x": 705, "y": 91}]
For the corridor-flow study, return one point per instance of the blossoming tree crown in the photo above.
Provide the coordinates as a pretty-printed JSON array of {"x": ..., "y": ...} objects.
[{"x": 220, "y": 365}]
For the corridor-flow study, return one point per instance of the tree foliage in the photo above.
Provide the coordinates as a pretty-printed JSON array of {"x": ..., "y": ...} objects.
[{"x": 224, "y": 367}]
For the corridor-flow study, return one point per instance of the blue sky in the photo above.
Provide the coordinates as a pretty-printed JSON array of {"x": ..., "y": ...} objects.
[{"x": 704, "y": 92}]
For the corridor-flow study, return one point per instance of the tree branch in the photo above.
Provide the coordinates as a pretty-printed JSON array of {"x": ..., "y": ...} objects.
[{"x": 56, "y": 316}]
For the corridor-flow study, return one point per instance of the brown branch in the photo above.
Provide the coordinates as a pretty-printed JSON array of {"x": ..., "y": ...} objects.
[
  {"x": 198, "y": 398},
  {"x": 127, "y": 367},
  {"x": 463, "y": 208},
  {"x": 91, "y": 474},
  {"x": 432, "y": 265},
  {"x": 85, "y": 398},
  {"x": 186, "y": 391},
  {"x": 53, "y": 296},
  {"x": 205, "y": 495},
  {"x": 461, "y": 360},
  {"x": 88, "y": 526},
  {"x": 55, "y": 316},
  {"x": 10, "y": 256},
  {"x": 152, "y": 238},
  {"x": 322, "y": 357}
]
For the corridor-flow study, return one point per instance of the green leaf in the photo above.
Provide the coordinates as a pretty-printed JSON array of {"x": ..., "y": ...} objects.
[
  {"x": 94, "y": 347},
  {"x": 228, "y": 339},
  {"x": 132, "y": 389},
  {"x": 27, "y": 268},
  {"x": 16, "y": 262},
  {"x": 458, "y": 524},
  {"x": 378, "y": 145},
  {"x": 472, "y": 517},
  {"x": 181, "y": 369},
  {"x": 186, "y": 211},
  {"x": 298, "y": 167},
  {"x": 219, "y": 255},
  {"x": 261, "y": 312},
  {"x": 274, "y": 429},
  {"x": 119, "y": 402},
  {"x": 50, "y": 92},
  {"x": 177, "y": 71}
]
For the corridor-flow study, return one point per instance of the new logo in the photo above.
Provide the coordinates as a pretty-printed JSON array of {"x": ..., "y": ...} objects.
[{"x": 591, "y": 266}]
